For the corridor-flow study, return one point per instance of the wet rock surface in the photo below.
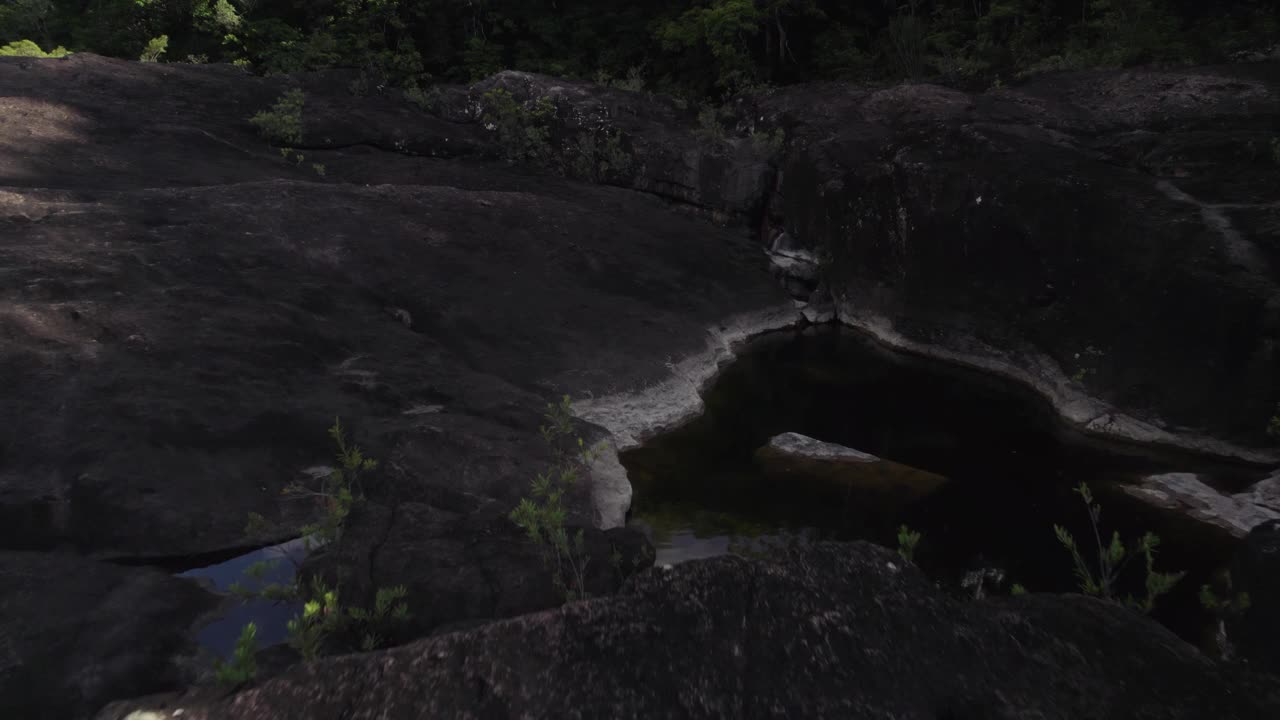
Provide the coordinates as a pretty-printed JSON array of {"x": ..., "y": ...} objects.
[
  {"x": 830, "y": 631},
  {"x": 1188, "y": 495}
]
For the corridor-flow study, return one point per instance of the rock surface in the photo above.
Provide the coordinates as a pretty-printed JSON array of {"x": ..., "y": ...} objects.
[
  {"x": 75, "y": 633},
  {"x": 832, "y": 631},
  {"x": 1256, "y": 571},
  {"x": 1002, "y": 229},
  {"x": 805, "y": 459},
  {"x": 1188, "y": 495},
  {"x": 463, "y": 567},
  {"x": 183, "y": 312},
  {"x": 1110, "y": 238}
]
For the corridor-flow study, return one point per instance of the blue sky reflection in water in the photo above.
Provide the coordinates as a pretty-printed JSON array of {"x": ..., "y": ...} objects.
[{"x": 272, "y": 618}]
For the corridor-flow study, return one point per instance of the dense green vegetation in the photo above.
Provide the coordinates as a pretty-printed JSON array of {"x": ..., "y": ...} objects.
[{"x": 692, "y": 46}]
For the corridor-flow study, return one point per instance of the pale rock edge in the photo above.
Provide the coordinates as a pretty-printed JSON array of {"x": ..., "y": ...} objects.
[{"x": 632, "y": 418}]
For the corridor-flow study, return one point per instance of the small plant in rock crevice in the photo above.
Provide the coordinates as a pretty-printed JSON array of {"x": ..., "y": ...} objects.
[
  {"x": 1229, "y": 603},
  {"x": 244, "y": 664},
  {"x": 338, "y": 493},
  {"x": 908, "y": 541},
  {"x": 324, "y": 624},
  {"x": 1111, "y": 559},
  {"x": 282, "y": 123},
  {"x": 1223, "y": 603},
  {"x": 542, "y": 514},
  {"x": 710, "y": 130}
]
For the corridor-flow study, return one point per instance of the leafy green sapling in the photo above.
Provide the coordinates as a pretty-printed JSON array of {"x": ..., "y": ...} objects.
[
  {"x": 282, "y": 122},
  {"x": 908, "y": 540},
  {"x": 1112, "y": 557},
  {"x": 244, "y": 664},
  {"x": 542, "y": 514}
]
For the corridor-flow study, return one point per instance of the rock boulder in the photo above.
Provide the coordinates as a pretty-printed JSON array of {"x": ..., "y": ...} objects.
[
  {"x": 800, "y": 458},
  {"x": 831, "y": 631},
  {"x": 75, "y": 633}
]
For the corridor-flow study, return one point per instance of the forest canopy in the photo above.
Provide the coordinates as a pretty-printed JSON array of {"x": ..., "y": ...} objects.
[{"x": 694, "y": 47}]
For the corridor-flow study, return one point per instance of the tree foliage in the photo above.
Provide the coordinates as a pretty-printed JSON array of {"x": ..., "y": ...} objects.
[{"x": 696, "y": 47}]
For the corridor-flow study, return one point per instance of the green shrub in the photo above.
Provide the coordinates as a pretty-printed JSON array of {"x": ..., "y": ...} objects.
[
  {"x": 523, "y": 132},
  {"x": 244, "y": 664},
  {"x": 905, "y": 39},
  {"x": 425, "y": 100},
  {"x": 154, "y": 49},
  {"x": 542, "y": 514},
  {"x": 388, "y": 613},
  {"x": 1229, "y": 603},
  {"x": 324, "y": 624},
  {"x": 1112, "y": 558},
  {"x": 339, "y": 492},
  {"x": 320, "y": 619},
  {"x": 769, "y": 144},
  {"x": 282, "y": 123},
  {"x": 633, "y": 82},
  {"x": 27, "y": 48},
  {"x": 908, "y": 540},
  {"x": 709, "y": 129},
  {"x": 598, "y": 155}
]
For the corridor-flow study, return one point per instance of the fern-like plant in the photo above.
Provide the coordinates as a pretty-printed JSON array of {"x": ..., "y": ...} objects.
[
  {"x": 908, "y": 539},
  {"x": 282, "y": 122},
  {"x": 542, "y": 514},
  {"x": 244, "y": 664},
  {"x": 389, "y": 610},
  {"x": 1112, "y": 557},
  {"x": 321, "y": 617},
  {"x": 338, "y": 493}
]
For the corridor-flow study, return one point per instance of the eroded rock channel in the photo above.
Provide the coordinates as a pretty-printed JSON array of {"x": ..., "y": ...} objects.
[{"x": 824, "y": 434}]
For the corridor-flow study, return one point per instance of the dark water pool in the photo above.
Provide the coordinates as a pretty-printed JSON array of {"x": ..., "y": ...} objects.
[
  {"x": 219, "y": 637},
  {"x": 1011, "y": 467}
]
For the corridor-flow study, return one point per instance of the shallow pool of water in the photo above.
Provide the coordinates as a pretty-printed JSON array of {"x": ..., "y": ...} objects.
[
  {"x": 1011, "y": 468},
  {"x": 219, "y": 636}
]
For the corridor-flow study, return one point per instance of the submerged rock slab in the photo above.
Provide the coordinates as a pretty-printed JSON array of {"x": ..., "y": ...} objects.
[
  {"x": 1189, "y": 495},
  {"x": 805, "y": 458},
  {"x": 833, "y": 630}
]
